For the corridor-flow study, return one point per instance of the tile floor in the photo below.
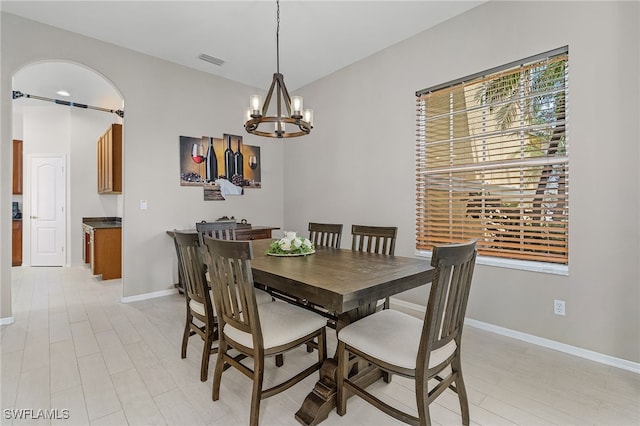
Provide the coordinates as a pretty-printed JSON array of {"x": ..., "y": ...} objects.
[{"x": 75, "y": 347}]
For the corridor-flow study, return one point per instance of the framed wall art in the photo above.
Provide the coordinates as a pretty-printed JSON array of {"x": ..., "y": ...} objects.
[{"x": 206, "y": 159}]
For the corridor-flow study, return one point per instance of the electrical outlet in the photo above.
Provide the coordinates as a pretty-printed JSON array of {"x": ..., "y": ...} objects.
[{"x": 558, "y": 307}]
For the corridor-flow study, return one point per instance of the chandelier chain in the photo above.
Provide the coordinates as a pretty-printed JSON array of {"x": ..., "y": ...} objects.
[{"x": 278, "y": 36}]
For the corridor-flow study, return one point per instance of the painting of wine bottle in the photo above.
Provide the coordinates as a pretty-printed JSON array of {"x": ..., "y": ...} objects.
[{"x": 241, "y": 162}]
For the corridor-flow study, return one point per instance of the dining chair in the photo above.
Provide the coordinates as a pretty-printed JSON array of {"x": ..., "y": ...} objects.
[
  {"x": 374, "y": 239},
  {"x": 420, "y": 349},
  {"x": 198, "y": 298},
  {"x": 253, "y": 330},
  {"x": 220, "y": 229},
  {"x": 325, "y": 234}
]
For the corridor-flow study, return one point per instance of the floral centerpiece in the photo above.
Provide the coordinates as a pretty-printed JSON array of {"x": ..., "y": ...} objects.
[{"x": 291, "y": 245}]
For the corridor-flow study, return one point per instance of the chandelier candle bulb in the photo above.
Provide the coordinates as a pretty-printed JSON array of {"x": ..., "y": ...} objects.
[
  {"x": 296, "y": 106},
  {"x": 255, "y": 101},
  {"x": 308, "y": 116}
]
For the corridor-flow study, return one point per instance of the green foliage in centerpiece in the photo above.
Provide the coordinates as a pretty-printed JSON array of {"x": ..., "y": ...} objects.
[{"x": 291, "y": 244}]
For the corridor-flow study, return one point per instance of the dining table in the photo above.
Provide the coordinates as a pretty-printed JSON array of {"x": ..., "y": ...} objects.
[{"x": 343, "y": 285}]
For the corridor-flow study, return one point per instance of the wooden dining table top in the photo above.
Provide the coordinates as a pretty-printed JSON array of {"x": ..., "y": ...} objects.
[{"x": 338, "y": 280}]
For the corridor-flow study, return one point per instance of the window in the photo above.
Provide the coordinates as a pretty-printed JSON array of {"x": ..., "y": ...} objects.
[{"x": 492, "y": 161}]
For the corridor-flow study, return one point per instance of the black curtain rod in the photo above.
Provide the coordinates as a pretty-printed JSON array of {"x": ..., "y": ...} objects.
[{"x": 17, "y": 94}]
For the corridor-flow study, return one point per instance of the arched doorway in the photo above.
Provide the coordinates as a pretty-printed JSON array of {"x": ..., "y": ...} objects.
[{"x": 53, "y": 126}]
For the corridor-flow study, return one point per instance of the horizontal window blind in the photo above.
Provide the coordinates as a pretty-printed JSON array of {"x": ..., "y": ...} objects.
[{"x": 492, "y": 162}]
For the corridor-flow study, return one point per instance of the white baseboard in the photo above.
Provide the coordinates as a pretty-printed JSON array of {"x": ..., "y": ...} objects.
[
  {"x": 7, "y": 320},
  {"x": 529, "y": 338},
  {"x": 151, "y": 295}
]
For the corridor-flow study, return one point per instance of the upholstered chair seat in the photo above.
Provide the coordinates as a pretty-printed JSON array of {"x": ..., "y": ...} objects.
[
  {"x": 280, "y": 323},
  {"x": 392, "y": 337}
]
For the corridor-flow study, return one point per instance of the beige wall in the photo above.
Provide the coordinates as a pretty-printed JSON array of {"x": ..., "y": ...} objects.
[
  {"x": 162, "y": 102},
  {"x": 358, "y": 164}
]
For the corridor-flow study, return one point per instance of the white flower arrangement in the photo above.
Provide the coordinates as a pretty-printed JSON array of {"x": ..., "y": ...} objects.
[{"x": 291, "y": 244}]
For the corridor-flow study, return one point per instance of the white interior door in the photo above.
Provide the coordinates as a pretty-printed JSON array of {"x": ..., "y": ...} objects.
[{"x": 48, "y": 195}]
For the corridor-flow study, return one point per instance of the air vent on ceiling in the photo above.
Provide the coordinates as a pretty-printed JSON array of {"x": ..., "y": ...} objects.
[{"x": 211, "y": 59}]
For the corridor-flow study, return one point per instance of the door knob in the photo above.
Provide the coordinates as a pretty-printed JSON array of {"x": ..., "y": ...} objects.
[{"x": 33, "y": 217}]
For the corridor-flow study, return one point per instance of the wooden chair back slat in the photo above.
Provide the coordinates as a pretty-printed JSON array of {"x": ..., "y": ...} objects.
[
  {"x": 325, "y": 234},
  {"x": 374, "y": 239},
  {"x": 220, "y": 230}
]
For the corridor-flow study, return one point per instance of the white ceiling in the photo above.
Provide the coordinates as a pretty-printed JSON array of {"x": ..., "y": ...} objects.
[{"x": 317, "y": 38}]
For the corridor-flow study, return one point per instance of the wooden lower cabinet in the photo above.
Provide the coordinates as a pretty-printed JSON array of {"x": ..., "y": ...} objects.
[
  {"x": 106, "y": 252},
  {"x": 16, "y": 243}
]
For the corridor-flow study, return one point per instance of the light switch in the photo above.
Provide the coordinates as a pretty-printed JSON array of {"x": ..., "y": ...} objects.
[{"x": 143, "y": 204}]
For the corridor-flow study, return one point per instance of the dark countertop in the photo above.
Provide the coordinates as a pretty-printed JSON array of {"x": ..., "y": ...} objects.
[{"x": 102, "y": 222}]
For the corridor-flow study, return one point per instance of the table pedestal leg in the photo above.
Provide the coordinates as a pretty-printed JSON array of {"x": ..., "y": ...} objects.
[
  {"x": 322, "y": 399},
  {"x": 319, "y": 402}
]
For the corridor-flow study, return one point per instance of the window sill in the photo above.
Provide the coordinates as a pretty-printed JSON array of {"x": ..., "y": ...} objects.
[{"x": 523, "y": 265}]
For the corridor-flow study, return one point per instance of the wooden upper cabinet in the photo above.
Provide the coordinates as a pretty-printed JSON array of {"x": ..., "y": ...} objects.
[
  {"x": 17, "y": 166},
  {"x": 110, "y": 161}
]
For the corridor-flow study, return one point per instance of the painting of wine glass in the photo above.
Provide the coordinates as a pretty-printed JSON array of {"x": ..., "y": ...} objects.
[
  {"x": 192, "y": 156},
  {"x": 252, "y": 174}
]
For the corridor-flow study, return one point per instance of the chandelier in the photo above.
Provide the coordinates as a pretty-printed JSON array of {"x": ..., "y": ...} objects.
[{"x": 294, "y": 115}]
